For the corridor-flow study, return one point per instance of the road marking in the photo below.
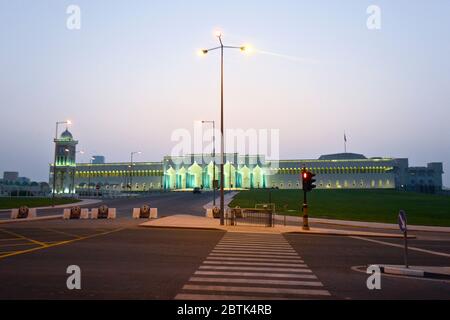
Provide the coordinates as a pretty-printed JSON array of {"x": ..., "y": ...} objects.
[
  {"x": 256, "y": 274},
  {"x": 263, "y": 268},
  {"x": 60, "y": 232},
  {"x": 5, "y": 252},
  {"x": 255, "y": 259},
  {"x": 254, "y": 263},
  {"x": 402, "y": 246},
  {"x": 257, "y": 290},
  {"x": 236, "y": 239},
  {"x": 253, "y": 242},
  {"x": 254, "y": 245},
  {"x": 58, "y": 243},
  {"x": 300, "y": 270},
  {"x": 259, "y": 281},
  {"x": 11, "y": 233},
  {"x": 254, "y": 249},
  {"x": 251, "y": 254},
  {"x": 192, "y": 296}
]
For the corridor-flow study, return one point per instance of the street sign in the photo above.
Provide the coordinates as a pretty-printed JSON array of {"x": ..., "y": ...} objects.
[{"x": 402, "y": 222}]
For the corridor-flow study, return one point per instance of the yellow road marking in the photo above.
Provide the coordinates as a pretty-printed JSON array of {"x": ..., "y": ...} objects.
[
  {"x": 45, "y": 246},
  {"x": 23, "y": 237},
  {"x": 61, "y": 232}
]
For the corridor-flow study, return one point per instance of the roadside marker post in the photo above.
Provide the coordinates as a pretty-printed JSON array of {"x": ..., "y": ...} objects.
[{"x": 403, "y": 224}]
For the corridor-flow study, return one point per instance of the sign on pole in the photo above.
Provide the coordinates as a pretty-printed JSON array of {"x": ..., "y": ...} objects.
[{"x": 403, "y": 224}]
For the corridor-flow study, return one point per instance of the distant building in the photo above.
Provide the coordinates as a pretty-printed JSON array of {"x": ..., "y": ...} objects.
[
  {"x": 10, "y": 176},
  {"x": 98, "y": 159},
  {"x": 13, "y": 185},
  {"x": 334, "y": 171}
]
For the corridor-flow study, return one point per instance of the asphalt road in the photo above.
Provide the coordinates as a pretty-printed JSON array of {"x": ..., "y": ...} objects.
[
  {"x": 168, "y": 203},
  {"x": 120, "y": 260}
]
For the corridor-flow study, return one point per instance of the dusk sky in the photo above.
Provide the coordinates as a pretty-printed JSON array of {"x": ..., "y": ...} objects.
[{"x": 131, "y": 76}]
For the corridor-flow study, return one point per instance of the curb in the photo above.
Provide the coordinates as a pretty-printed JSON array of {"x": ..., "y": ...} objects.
[
  {"x": 270, "y": 230},
  {"x": 350, "y": 234},
  {"x": 413, "y": 273},
  {"x": 185, "y": 228}
]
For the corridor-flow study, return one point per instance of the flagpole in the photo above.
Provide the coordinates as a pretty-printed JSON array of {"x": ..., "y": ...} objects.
[{"x": 345, "y": 143}]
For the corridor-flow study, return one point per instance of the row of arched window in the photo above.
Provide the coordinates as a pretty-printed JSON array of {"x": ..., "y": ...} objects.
[{"x": 336, "y": 170}]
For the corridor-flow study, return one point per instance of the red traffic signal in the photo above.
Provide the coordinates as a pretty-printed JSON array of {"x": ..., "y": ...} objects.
[{"x": 308, "y": 180}]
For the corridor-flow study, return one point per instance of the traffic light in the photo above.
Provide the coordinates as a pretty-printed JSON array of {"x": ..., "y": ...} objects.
[{"x": 308, "y": 180}]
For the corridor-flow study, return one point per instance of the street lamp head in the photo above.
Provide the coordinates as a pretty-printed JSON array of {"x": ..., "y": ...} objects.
[
  {"x": 218, "y": 33},
  {"x": 204, "y": 51},
  {"x": 69, "y": 122},
  {"x": 247, "y": 48}
]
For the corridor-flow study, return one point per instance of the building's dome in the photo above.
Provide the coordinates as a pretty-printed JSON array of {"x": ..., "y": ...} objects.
[
  {"x": 343, "y": 156},
  {"x": 66, "y": 135}
]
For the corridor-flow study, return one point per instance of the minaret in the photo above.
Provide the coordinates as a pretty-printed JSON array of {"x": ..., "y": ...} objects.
[{"x": 65, "y": 163}]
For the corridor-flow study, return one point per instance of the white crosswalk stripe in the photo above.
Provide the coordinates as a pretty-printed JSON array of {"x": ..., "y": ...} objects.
[{"x": 246, "y": 266}]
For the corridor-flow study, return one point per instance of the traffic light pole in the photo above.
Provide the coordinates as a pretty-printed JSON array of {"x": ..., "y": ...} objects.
[{"x": 305, "y": 211}]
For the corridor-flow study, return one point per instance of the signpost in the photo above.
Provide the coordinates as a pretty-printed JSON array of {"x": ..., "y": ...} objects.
[{"x": 403, "y": 224}]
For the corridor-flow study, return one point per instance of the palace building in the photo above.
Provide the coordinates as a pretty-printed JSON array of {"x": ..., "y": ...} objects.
[{"x": 334, "y": 171}]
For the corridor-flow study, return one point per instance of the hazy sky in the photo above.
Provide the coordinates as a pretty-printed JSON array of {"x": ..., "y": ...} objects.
[{"x": 130, "y": 76}]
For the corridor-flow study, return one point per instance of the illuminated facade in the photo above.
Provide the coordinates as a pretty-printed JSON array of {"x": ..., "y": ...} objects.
[{"x": 336, "y": 171}]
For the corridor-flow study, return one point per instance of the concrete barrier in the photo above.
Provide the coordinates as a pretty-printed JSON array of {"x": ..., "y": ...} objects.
[
  {"x": 152, "y": 213},
  {"x": 145, "y": 212},
  {"x": 209, "y": 213},
  {"x": 97, "y": 214},
  {"x": 67, "y": 215},
  {"x": 23, "y": 213}
]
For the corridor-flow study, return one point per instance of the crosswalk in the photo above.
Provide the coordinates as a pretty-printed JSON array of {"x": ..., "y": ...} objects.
[{"x": 248, "y": 266}]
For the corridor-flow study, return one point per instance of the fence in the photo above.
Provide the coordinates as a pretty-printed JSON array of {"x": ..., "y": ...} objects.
[{"x": 250, "y": 216}]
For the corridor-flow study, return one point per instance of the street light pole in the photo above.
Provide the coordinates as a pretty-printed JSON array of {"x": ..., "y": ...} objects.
[
  {"x": 222, "y": 145},
  {"x": 67, "y": 122},
  {"x": 214, "y": 158}
]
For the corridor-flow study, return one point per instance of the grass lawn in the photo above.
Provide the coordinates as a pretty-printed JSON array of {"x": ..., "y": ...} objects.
[
  {"x": 16, "y": 202},
  {"x": 357, "y": 205}
]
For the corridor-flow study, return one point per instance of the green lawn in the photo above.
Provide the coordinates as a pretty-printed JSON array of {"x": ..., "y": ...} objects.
[
  {"x": 359, "y": 205},
  {"x": 15, "y": 202}
]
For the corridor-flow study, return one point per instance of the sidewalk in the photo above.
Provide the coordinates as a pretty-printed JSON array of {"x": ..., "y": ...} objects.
[
  {"x": 371, "y": 225},
  {"x": 417, "y": 271},
  {"x": 196, "y": 222}
]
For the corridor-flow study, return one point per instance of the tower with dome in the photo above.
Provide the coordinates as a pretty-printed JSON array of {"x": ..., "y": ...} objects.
[{"x": 65, "y": 164}]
